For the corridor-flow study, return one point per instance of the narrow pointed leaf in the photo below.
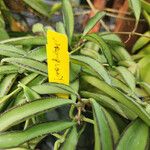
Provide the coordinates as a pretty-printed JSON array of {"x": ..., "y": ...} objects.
[
  {"x": 21, "y": 113},
  {"x": 102, "y": 130},
  {"x": 53, "y": 88},
  {"x": 68, "y": 19},
  {"x": 27, "y": 40},
  {"x": 113, "y": 127},
  {"x": 92, "y": 64},
  {"x": 31, "y": 133},
  {"x": 39, "y": 6},
  {"x": 28, "y": 64},
  {"x": 136, "y": 7},
  {"x": 141, "y": 42},
  {"x": 92, "y": 22}
]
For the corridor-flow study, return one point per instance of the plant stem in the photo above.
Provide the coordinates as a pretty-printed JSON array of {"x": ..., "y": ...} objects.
[
  {"x": 57, "y": 135},
  {"x": 91, "y": 6},
  {"x": 88, "y": 120},
  {"x": 116, "y": 11},
  {"x": 95, "y": 11},
  {"x": 76, "y": 49},
  {"x": 127, "y": 33},
  {"x": 124, "y": 18}
]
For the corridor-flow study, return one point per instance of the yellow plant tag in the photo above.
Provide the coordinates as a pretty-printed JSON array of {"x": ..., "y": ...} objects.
[{"x": 58, "y": 58}]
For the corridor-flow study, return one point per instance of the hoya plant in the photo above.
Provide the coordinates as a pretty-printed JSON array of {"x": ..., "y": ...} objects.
[{"x": 106, "y": 108}]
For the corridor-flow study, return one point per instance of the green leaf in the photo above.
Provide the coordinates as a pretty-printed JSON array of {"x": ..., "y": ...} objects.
[
  {"x": 12, "y": 51},
  {"x": 8, "y": 69},
  {"x": 103, "y": 138},
  {"x": 38, "y": 53},
  {"x": 136, "y": 7},
  {"x": 40, "y": 79},
  {"x": 127, "y": 76},
  {"x": 111, "y": 38},
  {"x": 27, "y": 40},
  {"x": 147, "y": 16},
  {"x": 21, "y": 113},
  {"x": 68, "y": 19},
  {"x": 92, "y": 22},
  {"x": 145, "y": 86},
  {"x": 4, "y": 35},
  {"x": 92, "y": 64},
  {"x": 7, "y": 83},
  {"x": 146, "y": 5},
  {"x": 28, "y": 64},
  {"x": 104, "y": 101},
  {"x": 93, "y": 54},
  {"x": 53, "y": 88},
  {"x": 40, "y": 6},
  {"x": 29, "y": 93},
  {"x": 104, "y": 47},
  {"x": 141, "y": 42},
  {"x": 135, "y": 137},
  {"x": 1, "y": 77},
  {"x": 55, "y": 7},
  {"x": 75, "y": 69},
  {"x": 71, "y": 140},
  {"x": 113, "y": 127},
  {"x": 31, "y": 133},
  {"x": 120, "y": 97},
  {"x": 120, "y": 53},
  {"x": 60, "y": 27},
  {"x": 144, "y": 69}
]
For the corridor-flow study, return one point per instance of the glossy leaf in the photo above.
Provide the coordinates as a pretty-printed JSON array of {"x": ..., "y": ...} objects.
[
  {"x": 31, "y": 133},
  {"x": 13, "y": 116},
  {"x": 120, "y": 97},
  {"x": 53, "y": 88},
  {"x": 136, "y": 136},
  {"x": 92, "y": 22}
]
